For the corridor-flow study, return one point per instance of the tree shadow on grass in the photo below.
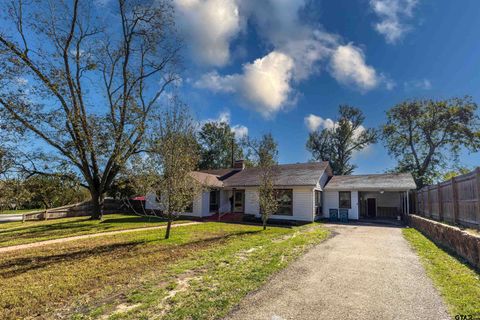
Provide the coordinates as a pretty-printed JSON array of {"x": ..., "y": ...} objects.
[
  {"x": 68, "y": 228},
  {"x": 20, "y": 265}
]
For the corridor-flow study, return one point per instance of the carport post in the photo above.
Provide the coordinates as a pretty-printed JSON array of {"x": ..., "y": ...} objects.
[{"x": 408, "y": 202}]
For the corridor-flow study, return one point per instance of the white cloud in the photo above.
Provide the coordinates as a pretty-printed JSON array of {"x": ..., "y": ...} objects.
[
  {"x": 209, "y": 25},
  {"x": 393, "y": 15},
  {"x": 348, "y": 66},
  {"x": 314, "y": 122},
  {"x": 264, "y": 85},
  {"x": 423, "y": 84},
  {"x": 240, "y": 131},
  {"x": 299, "y": 50}
]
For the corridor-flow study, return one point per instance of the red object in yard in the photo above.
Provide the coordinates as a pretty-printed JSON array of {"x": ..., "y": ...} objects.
[{"x": 139, "y": 198}]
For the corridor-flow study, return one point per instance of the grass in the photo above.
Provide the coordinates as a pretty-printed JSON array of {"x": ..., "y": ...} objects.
[
  {"x": 19, "y": 211},
  {"x": 458, "y": 283},
  {"x": 13, "y": 233},
  {"x": 201, "y": 272}
]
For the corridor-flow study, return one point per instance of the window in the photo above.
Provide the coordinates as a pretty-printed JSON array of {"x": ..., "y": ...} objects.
[
  {"x": 284, "y": 198},
  {"x": 345, "y": 200},
  {"x": 318, "y": 202},
  {"x": 214, "y": 200}
]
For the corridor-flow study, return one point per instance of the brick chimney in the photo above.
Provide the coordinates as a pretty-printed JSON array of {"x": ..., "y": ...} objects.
[{"x": 239, "y": 164}]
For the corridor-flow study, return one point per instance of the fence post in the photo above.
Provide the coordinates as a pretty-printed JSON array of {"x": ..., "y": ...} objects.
[
  {"x": 455, "y": 200},
  {"x": 429, "y": 202},
  {"x": 440, "y": 203},
  {"x": 477, "y": 171}
]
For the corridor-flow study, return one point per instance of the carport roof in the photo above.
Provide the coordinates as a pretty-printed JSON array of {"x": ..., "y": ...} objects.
[{"x": 372, "y": 182}]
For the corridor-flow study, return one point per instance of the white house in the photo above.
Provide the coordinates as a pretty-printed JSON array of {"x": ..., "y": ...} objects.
[{"x": 305, "y": 192}]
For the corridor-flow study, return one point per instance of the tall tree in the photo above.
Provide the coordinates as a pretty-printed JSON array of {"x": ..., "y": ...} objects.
[
  {"x": 87, "y": 85},
  {"x": 265, "y": 155},
  {"x": 424, "y": 135},
  {"x": 337, "y": 144},
  {"x": 174, "y": 150},
  {"x": 217, "y": 142}
]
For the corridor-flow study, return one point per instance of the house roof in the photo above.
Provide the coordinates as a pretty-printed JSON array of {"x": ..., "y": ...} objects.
[
  {"x": 300, "y": 174},
  {"x": 372, "y": 182},
  {"x": 207, "y": 179}
]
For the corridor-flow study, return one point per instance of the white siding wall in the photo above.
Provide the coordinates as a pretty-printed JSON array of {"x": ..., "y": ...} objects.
[
  {"x": 151, "y": 202},
  {"x": 330, "y": 201},
  {"x": 303, "y": 204},
  {"x": 251, "y": 201},
  {"x": 197, "y": 205}
]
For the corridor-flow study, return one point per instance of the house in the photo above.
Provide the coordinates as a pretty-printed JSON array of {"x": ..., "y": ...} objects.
[{"x": 305, "y": 192}]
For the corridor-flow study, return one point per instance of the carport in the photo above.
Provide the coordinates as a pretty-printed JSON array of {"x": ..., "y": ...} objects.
[{"x": 372, "y": 196}]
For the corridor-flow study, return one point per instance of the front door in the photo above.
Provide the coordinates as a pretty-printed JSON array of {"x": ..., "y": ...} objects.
[
  {"x": 239, "y": 201},
  {"x": 372, "y": 207}
]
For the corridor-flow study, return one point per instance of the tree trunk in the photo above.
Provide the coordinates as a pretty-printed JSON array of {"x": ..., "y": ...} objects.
[
  {"x": 264, "y": 220},
  {"x": 169, "y": 225},
  {"x": 97, "y": 205}
]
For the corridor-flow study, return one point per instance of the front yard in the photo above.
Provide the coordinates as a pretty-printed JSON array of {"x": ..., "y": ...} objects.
[
  {"x": 458, "y": 283},
  {"x": 13, "y": 233},
  {"x": 200, "y": 273}
]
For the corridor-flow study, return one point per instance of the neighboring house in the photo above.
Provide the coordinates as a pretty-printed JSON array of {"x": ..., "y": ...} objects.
[{"x": 305, "y": 192}]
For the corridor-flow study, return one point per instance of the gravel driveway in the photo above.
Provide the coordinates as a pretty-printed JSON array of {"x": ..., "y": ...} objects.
[{"x": 362, "y": 272}]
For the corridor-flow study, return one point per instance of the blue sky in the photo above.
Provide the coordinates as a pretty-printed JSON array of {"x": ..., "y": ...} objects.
[{"x": 284, "y": 66}]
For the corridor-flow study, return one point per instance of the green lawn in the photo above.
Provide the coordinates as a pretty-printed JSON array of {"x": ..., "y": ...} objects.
[
  {"x": 458, "y": 284},
  {"x": 18, "y": 211},
  {"x": 201, "y": 272},
  {"x": 12, "y": 233}
]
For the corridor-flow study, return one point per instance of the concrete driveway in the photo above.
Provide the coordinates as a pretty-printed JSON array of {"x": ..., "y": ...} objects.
[{"x": 362, "y": 272}]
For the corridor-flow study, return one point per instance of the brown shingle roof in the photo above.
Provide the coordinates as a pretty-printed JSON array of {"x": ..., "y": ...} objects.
[
  {"x": 300, "y": 174},
  {"x": 207, "y": 179},
  {"x": 369, "y": 182}
]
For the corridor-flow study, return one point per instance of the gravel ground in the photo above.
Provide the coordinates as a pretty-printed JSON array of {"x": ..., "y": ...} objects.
[{"x": 362, "y": 272}]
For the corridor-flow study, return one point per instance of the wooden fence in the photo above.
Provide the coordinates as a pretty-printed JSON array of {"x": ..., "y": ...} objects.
[
  {"x": 78, "y": 210},
  {"x": 456, "y": 201}
]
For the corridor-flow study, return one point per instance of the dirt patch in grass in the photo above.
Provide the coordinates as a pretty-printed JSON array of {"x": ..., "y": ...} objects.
[
  {"x": 50, "y": 277},
  {"x": 201, "y": 272}
]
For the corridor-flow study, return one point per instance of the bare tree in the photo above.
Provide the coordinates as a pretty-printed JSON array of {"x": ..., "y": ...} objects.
[
  {"x": 87, "y": 85},
  {"x": 265, "y": 154}
]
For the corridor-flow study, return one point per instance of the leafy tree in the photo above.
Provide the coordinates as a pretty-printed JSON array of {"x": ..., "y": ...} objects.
[
  {"x": 172, "y": 156},
  {"x": 13, "y": 193},
  {"x": 216, "y": 140},
  {"x": 425, "y": 135},
  {"x": 265, "y": 155},
  {"x": 338, "y": 143},
  {"x": 49, "y": 191},
  {"x": 87, "y": 85},
  {"x": 455, "y": 172}
]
